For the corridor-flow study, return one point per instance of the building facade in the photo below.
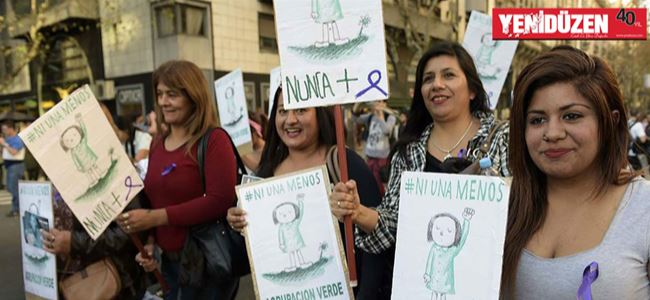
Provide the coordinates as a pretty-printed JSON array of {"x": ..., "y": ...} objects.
[{"x": 114, "y": 45}]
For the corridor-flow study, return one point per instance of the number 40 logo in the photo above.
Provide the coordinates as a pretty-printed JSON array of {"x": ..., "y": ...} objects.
[{"x": 628, "y": 17}]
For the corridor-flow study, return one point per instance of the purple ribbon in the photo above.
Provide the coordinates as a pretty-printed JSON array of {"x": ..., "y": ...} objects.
[
  {"x": 128, "y": 182},
  {"x": 373, "y": 84},
  {"x": 461, "y": 153},
  {"x": 589, "y": 275},
  {"x": 57, "y": 197},
  {"x": 168, "y": 169}
]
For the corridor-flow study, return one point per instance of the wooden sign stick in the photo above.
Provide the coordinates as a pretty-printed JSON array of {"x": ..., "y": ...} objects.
[
  {"x": 343, "y": 164},
  {"x": 138, "y": 243}
]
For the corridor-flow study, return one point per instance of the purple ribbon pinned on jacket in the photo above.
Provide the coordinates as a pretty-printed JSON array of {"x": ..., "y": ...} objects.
[{"x": 589, "y": 275}]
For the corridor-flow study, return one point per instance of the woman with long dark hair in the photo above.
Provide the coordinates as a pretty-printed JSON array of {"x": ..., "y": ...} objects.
[
  {"x": 449, "y": 118},
  {"x": 574, "y": 201},
  {"x": 300, "y": 139}
]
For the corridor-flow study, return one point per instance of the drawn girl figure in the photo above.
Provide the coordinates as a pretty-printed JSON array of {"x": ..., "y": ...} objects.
[
  {"x": 485, "y": 68},
  {"x": 288, "y": 216},
  {"x": 74, "y": 140},
  {"x": 231, "y": 107},
  {"x": 448, "y": 238},
  {"x": 327, "y": 12}
]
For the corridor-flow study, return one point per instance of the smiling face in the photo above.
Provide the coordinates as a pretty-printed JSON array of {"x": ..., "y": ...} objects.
[
  {"x": 443, "y": 231},
  {"x": 70, "y": 138},
  {"x": 176, "y": 108},
  {"x": 444, "y": 90},
  {"x": 297, "y": 128},
  {"x": 285, "y": 213},
  {"x": 562, "y": 132}
]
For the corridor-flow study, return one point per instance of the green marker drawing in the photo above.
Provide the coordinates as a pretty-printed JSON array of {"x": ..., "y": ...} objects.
[
  {"x": 74, "y": 139},
  {"x": 331, "y": 46},
  {"x": 448, "y": 239},
  {"x": 288, "y": 216},
  {"x": 486, "y": 70},
  {"x": 327, "y": 12}
]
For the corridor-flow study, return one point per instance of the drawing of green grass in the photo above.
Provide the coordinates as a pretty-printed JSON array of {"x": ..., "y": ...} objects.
[{"x": 332, "y": 52}]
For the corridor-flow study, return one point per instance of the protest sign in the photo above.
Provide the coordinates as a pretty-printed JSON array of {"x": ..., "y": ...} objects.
[
  {"x": 492, "y": 58},
  {"x": 39, "y": 266},
  {"x": 292, "y": 239},
  {"x": 331, "y": 51},
  {"x": 275, "y": 81},
  {"x": 80, "y": 153},
  {"x": 450, "y": 236},
  {"x": 233, "y": 113}
]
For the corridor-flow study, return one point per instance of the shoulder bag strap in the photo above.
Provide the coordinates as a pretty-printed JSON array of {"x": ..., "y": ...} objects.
[
  {"x": 485, "y": 146},
  {"x": 203, "y": 148},
  {"x": 333, "y": 164}
]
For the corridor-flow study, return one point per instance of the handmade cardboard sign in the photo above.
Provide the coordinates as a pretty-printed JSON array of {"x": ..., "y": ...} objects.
[
  {"x": 292, "y": 239},
  {"x": 39, "y": 266},
  {"x": 80, "y": 153},
  {"x": 233, "y": 113},
  {"x": 492, "y": 58},
  {"x": 275, "y": 81},
  {"x": 331, "y": 51},
  {"x": 450, "y": 236}
]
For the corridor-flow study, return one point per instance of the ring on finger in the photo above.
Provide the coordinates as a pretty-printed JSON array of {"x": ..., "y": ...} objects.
[
  {"x": 128, "y": 227},
  {"x": 338, "y": 203}
]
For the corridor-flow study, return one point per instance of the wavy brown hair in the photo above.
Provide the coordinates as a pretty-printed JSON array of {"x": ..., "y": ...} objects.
[
  {"x": 595, "y": 81},
  {"x": 186, "y": 78}
]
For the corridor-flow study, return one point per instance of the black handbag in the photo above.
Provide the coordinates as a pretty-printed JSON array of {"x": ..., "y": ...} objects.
[{"x": 224, "y": 249}]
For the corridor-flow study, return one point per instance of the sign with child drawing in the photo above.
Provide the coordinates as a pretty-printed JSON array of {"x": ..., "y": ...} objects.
[
  {"x": 493, "y": 58},
  {"x": 329, "y": 51},
  {"x": 292, "y": 239},
  {"x": 450, "y": 235},
  {"x": 274, "y": 80},
  {"x": 233, "y": 111},
  {"x": 80, "y": 153},
  {"x": 39, "y": 266}
]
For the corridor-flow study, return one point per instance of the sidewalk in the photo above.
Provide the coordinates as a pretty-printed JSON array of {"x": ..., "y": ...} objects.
[{"x": 11, "y": 278}]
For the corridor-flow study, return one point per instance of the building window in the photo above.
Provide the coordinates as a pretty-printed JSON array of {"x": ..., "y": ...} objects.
[
  {"x": 268, "y": 41},
  {"x": 166, "y": 20},
  {"x": 193, "y": 20},
  {"x": 249, "y": 92},
  {"x": 181, "y": 18}
]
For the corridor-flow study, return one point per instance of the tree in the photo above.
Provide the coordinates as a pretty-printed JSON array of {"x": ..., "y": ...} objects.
[
  {"x": 39, "y": 30},
  {"x": 24, "y": 53},
  {"x": 406, "y": 44}
]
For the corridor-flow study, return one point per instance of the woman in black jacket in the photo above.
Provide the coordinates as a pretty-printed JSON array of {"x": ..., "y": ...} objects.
[{"x": 75, "y": 249}]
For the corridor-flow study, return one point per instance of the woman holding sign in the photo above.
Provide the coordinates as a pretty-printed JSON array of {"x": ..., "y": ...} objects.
[
  {"x": 448, "y": 123},
  {"x": 173, "y": 183},
  {"x": 300, "y": 139},
  {"x": 577, "y": 214}
]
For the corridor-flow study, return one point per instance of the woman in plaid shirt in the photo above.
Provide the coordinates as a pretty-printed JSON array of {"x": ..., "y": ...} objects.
[{"x": 449, "y": 118}]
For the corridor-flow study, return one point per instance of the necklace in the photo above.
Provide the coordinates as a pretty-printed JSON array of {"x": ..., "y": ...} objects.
[{"x": 455, "y": 145}]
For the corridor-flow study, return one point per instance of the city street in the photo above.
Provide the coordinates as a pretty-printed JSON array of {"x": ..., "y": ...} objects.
[{"x": 11, "y": 279}]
